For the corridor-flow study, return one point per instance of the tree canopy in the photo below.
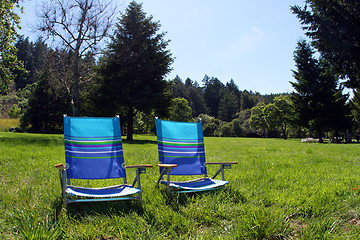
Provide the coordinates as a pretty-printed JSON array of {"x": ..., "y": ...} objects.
[
  {"x": 77, "y": 27},
  {"x": 318, "y": 99},
  {"x": 9, "y": 23},
  {"x": 334, "y": 27},
  {"x": 134, "y": 66},
  {"x": 180, "y": 110}
]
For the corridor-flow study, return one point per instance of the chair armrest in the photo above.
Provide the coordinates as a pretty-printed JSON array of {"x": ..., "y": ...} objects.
[
  {"x": 167, "y": 168},
  {"x": 140, "y": 166},
  {"x": 222, "y": 163},
  {"x": 167, "y": 165},
  {"x": 60, "y": 166}
]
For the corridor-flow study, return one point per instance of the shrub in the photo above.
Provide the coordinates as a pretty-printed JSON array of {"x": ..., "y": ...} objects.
[{"x": 14, "y": 111}]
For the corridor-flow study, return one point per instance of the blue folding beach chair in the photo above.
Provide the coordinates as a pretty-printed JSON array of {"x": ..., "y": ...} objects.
[
  {"x": 93, "y": 150},
  {"x": 182, "y": 152}
]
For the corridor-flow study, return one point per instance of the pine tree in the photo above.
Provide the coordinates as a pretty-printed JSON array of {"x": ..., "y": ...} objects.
[
  {"x": 134, "y": 66},
  {"x": 318, "y": 99}
]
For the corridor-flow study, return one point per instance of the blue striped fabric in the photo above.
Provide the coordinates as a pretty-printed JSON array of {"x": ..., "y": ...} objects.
[
  {"x": 187, "y": 150},
  {"x": 93, "y": 148}
]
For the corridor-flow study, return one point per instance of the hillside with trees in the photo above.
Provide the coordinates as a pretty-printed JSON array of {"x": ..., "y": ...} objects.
[{"x": 129, "y": 79}]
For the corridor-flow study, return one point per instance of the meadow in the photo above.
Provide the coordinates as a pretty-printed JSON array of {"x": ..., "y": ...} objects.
[
  {"x": 280, "y": 189},
  {"x": 5, "y": 124}
]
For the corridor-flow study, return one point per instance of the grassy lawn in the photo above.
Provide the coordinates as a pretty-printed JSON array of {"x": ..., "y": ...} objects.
[
  {"x": 279, "y": 190},
  {"x": 6, "y": 123}
]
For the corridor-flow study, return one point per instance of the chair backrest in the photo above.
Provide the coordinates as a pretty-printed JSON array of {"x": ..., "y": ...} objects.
[
  {"x": 181, "y": 143},
  {"x": 93, "y": 148}
]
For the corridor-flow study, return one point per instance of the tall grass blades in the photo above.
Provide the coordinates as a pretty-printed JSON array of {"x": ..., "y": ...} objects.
[
  {"x": 5, "y": 124},
  {"x": 31, "y": 225},
  {"x": 278, "y": 190}
]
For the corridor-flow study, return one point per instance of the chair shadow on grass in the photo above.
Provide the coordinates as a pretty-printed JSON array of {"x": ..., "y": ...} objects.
[
  {"x": 79, "y": 210},
  {"x": 177, "y": 200}
]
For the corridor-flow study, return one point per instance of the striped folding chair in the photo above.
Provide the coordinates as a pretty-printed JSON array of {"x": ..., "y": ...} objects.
[
  {"x": 182, "y": 152},
  {"x": 93, "y": 151}
]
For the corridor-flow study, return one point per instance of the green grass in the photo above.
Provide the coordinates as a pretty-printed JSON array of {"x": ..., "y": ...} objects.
[
  {"x": 278, "y": 190},
  {"x": 5, "y": 124}
]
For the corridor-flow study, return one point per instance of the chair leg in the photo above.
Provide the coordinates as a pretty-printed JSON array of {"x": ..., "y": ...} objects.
[
  {"x": 222, "y": 172},
  {"x": 160, "y": 178},
  {"x": 168, "y": 179},
  {"x": 62, "y": 174},
  {"x": 138, "y": 172}
]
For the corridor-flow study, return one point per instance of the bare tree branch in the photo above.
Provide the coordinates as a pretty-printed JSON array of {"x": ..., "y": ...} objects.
[{"x": 77, "y": 26}]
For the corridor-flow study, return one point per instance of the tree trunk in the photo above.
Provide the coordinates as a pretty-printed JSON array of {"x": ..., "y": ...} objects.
[
  {"x": 130, "y": 123},
  {"x": 320, "y": 136},
  {"x": 76, "y": 94},
  {"x": 284, "y": 132}
]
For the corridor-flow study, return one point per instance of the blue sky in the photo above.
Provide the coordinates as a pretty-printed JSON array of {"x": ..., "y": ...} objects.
[{"x": 251, "y": 42}]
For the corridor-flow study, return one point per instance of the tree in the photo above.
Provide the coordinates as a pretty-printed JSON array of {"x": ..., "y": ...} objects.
[
  {"x": 247, "y": 100},
  {"x": 134, "y": 66},
  {"x": 195, "y": 97},
  {"x": 9, "y": 23},
  {"x": 279, "y": 114},
  {"x": 228, "y": 106},
  {"x": 24, "y": 49},
  {"x": 232, "y": 87},
  {"x": 257, "y": 118},
  {"x": 334, "y": 27},
  {"x": 191, "y": 91},
  {"x": 213, "y": 92},
  {"x": 237, "y": 128},
  {"x": 178, "y": 88},
  {"x": 210, "y": 125},
  {"x": 34, "y": 57},
  {"x": 78, "y": 27},
  {"x": 317, "y": 98},
  {"x": 355, "y": 107},
  {"x": 180, "y": 110},
  {"x": 47, "y": 103}
]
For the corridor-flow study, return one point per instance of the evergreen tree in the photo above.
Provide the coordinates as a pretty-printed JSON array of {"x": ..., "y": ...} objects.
[
  {"x": 317, "y": 97},
  {"x": 355, "y": 107},
  {"x": 47, "y": 103},
  {"x": 228, "y": 106},
  {"x": 134, "y": 66},
  {"x": 178, "y": 88},
  {"x": 24, "y": 54},
  {"x": 247, "y": 100},
  {"x": 232, "y": 87},
  {"x": 334, "y": 27},
  {"x": 213, "y": 93},
  {"x": 34, "y": 57},
  {"x": 195, "y": 97}
]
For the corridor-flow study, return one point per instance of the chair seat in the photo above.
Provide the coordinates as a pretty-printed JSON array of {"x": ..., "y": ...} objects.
[
  {"x": 202, "y": 185},
  {"x": 101, "y": 193}
]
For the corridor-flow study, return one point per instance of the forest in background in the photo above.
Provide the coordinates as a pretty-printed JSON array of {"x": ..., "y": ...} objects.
[
  {"x": 43, "y": 89},
  {"x": 128, "y": 79}
]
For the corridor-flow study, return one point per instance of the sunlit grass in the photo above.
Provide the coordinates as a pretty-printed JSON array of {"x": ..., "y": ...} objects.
[
  {"x": 278, "y": 190},
  {"x": 5, "y": 124}
]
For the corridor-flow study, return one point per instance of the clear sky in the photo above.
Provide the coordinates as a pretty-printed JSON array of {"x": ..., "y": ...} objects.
[{"x": 251, "y": 42}]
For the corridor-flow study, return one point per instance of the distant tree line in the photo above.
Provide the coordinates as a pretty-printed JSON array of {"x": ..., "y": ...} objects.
[
  {"x": 128, "y": 79},
  {"x": 44, "y": 96}
]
